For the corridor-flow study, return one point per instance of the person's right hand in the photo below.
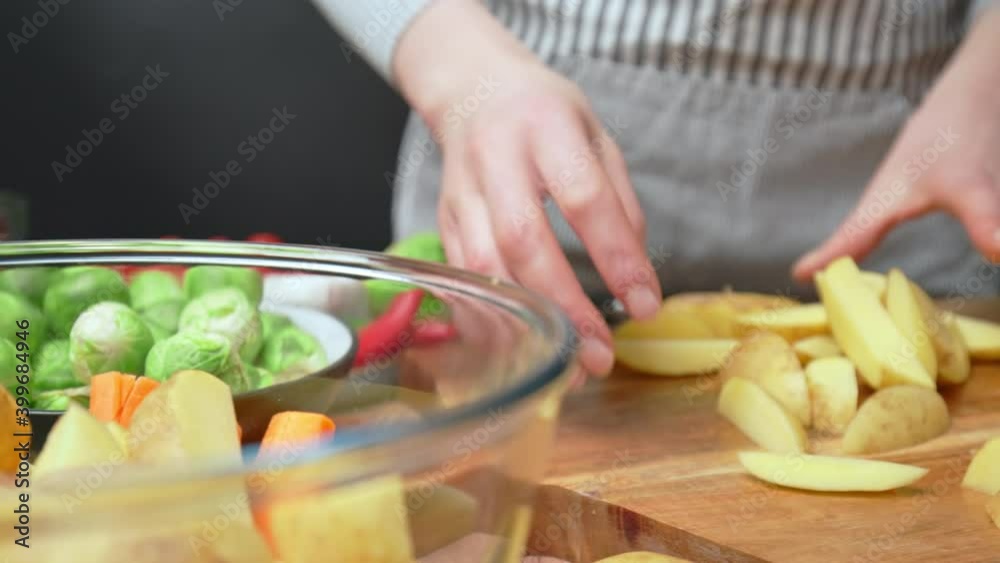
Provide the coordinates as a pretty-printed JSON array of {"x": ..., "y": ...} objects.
[{"x": 514, "y": 135}]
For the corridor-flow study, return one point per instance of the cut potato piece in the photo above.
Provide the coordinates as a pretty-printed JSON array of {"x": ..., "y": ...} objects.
[
  {"x": 77, "y": 440},
  {"x": 981, "y": 337},
  {"x": 833, "y": 391},
  {"x": 791, "y": 323},
  {"x": 767, "y": 360},
  {"x": 119, "y": 434},
  {"x": 816, "y": 347},
  {"x": 760, "y": 417},
  {"x": 993, "y": 509},
  {"x": 826, "y": 473},
  {"x": 9, "y": 455},
  {"x": 953, "y": 361},
  {"x": 171, "y": 424},
  {"x": 366, "y": 521},
  {"x": 674, "y": 357},
  {"x": 983, "y": 473},
  {"x": 907, "y": 314},
  {"x": 875, "y": 281},
  {"x": 701, "y": 315},
  {"x": 642, "y": 557},
  {"x": 864, "y": 330},
  {"x": 896, "y": 417}
]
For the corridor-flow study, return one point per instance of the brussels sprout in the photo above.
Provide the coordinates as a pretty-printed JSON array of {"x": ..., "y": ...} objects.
[
  {"x": 153, "y": 287},
  {"x": 200, "y": 280},
  {"x": 52, "y": 368},
  {"x": 8, "y": 364},
  {"x": 29, "y": 283},
  {"x": 270, "y": 323},
  {"x": 14, "y": 310},
  {"x": 226, "y": 312},
  {"x": 259, "y": 377},
  {"x": 58, "y": 400},
  {"x": 108, "y": 337},
  {"x": 204, "y": 351},
  {"x": 422, "y": 246},
  {"x": 73, "y": 290},
  {"x": 292, "y": 353}
]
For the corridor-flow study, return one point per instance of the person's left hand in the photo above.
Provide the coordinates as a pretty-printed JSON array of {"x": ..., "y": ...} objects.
[{"x": 946, "y": 158}]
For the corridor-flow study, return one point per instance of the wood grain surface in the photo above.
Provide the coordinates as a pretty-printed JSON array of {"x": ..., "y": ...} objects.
[{"x": 645, "y": 463}]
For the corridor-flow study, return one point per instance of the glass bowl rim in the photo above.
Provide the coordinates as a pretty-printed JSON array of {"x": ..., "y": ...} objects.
[{"x": 331, "y": 261}]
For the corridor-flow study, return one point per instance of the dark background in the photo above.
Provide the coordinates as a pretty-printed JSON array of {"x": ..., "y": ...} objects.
[{"x": 321, "y": 179}]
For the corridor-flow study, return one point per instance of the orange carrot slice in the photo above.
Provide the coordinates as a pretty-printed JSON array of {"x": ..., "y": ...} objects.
[
  {"x": 292, "y": 427},
  {"x": 142, "y": 387},
  {"x": 107, "y": 394}
]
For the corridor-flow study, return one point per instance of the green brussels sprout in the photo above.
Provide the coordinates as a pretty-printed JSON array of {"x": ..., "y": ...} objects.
[
  {"x": 205, "y": 351},
  {"x": 29, "y": 283},
  {"x": 158, "y": 298},
  {"x": 292, "y": 352},
  {"x": 8, "y": 365},
  {"x": 52, "y": 368},
  {"x": 422, "y": 246},
  {"x": 74, "y": 289},
  {"x": 108, "y": 337},
  {"x": 200, "y": 280},
  {"x": 226, "y": 312},
  {"x": 259, "y": 377},
  {"x": 14, "y": 310},
  {"x": 270, "y": 323},
  {"x": 58, "y": 400}
]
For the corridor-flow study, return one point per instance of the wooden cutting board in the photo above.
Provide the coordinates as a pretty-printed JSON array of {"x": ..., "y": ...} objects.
[{"x": 643, "y": 463}]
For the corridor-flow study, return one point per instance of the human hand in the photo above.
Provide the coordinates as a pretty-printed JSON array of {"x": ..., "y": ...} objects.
[
  {"x": 531, "y": 137},
  {"x": 946, "y": 158}
]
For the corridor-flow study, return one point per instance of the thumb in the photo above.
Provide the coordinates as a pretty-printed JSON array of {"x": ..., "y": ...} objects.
[
  {"x": 977, "y": 206},
  {"x": 880, "y": 209}
]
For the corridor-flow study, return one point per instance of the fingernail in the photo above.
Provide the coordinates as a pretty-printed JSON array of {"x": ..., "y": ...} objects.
[
  {"x": 597, "y": 357},
  {"x": 642, "y": 302}
]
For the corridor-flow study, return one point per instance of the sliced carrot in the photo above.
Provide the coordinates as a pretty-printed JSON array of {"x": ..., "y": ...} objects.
[
  {"x": 293, "y": 427},
  {"x": 239, "y": 432},
  {"x": 142, "y": 387},
  {"x": 107, "y": 394}
]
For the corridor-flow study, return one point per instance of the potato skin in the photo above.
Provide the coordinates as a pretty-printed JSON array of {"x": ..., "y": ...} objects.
[{"x": 896, "y": 417}]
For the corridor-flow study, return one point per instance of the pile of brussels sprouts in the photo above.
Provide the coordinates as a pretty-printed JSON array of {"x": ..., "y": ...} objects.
[{"x": 87, "y": 320}]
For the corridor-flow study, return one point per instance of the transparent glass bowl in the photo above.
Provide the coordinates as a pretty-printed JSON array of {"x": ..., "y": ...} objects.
[{"x": 436, "y": 453}]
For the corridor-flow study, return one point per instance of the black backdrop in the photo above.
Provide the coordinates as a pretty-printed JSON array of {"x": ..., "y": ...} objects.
[{"x": 321, "y": 178}]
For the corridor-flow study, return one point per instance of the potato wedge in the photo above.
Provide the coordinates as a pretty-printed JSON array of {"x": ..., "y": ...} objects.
[
  {"x": 833, "y": 392},
  {"x": 907, "y": 314},
  {"x": 954, "y": 365},
  {"x": 993, "y": 509},
  {"x": 791, "y": 323},
  {"x": 767, "y": 360},
  {"x": 365, "y": 521},
  {"x": 76, "y": 441},
  {"x": 981, "y": 337},
  {"x": 865, "y": 332},
  {"x": 642, "y": 557},
  {"x": 875, "y": 281},
  {"x": 701, "y": 315},
  {"x": 9, "y": 456},
  {"x": 815, "y": 347},
  {"x": 896, "y": 417},
  {"x": 674, "y": 357},
  {"x": 760, "y": 417},
  {"x": 983, "y": 473},
  {"x": 827, "y": 473}
]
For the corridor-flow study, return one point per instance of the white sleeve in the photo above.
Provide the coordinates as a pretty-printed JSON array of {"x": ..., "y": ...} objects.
[
  {"x": 980, "y": 6},
  {"x": 373, "y": 27}
]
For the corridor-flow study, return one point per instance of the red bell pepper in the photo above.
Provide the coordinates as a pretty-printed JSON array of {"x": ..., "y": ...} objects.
[
  {"x": 430, "y": 332},
  {"x": 392, "y": 331}
]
